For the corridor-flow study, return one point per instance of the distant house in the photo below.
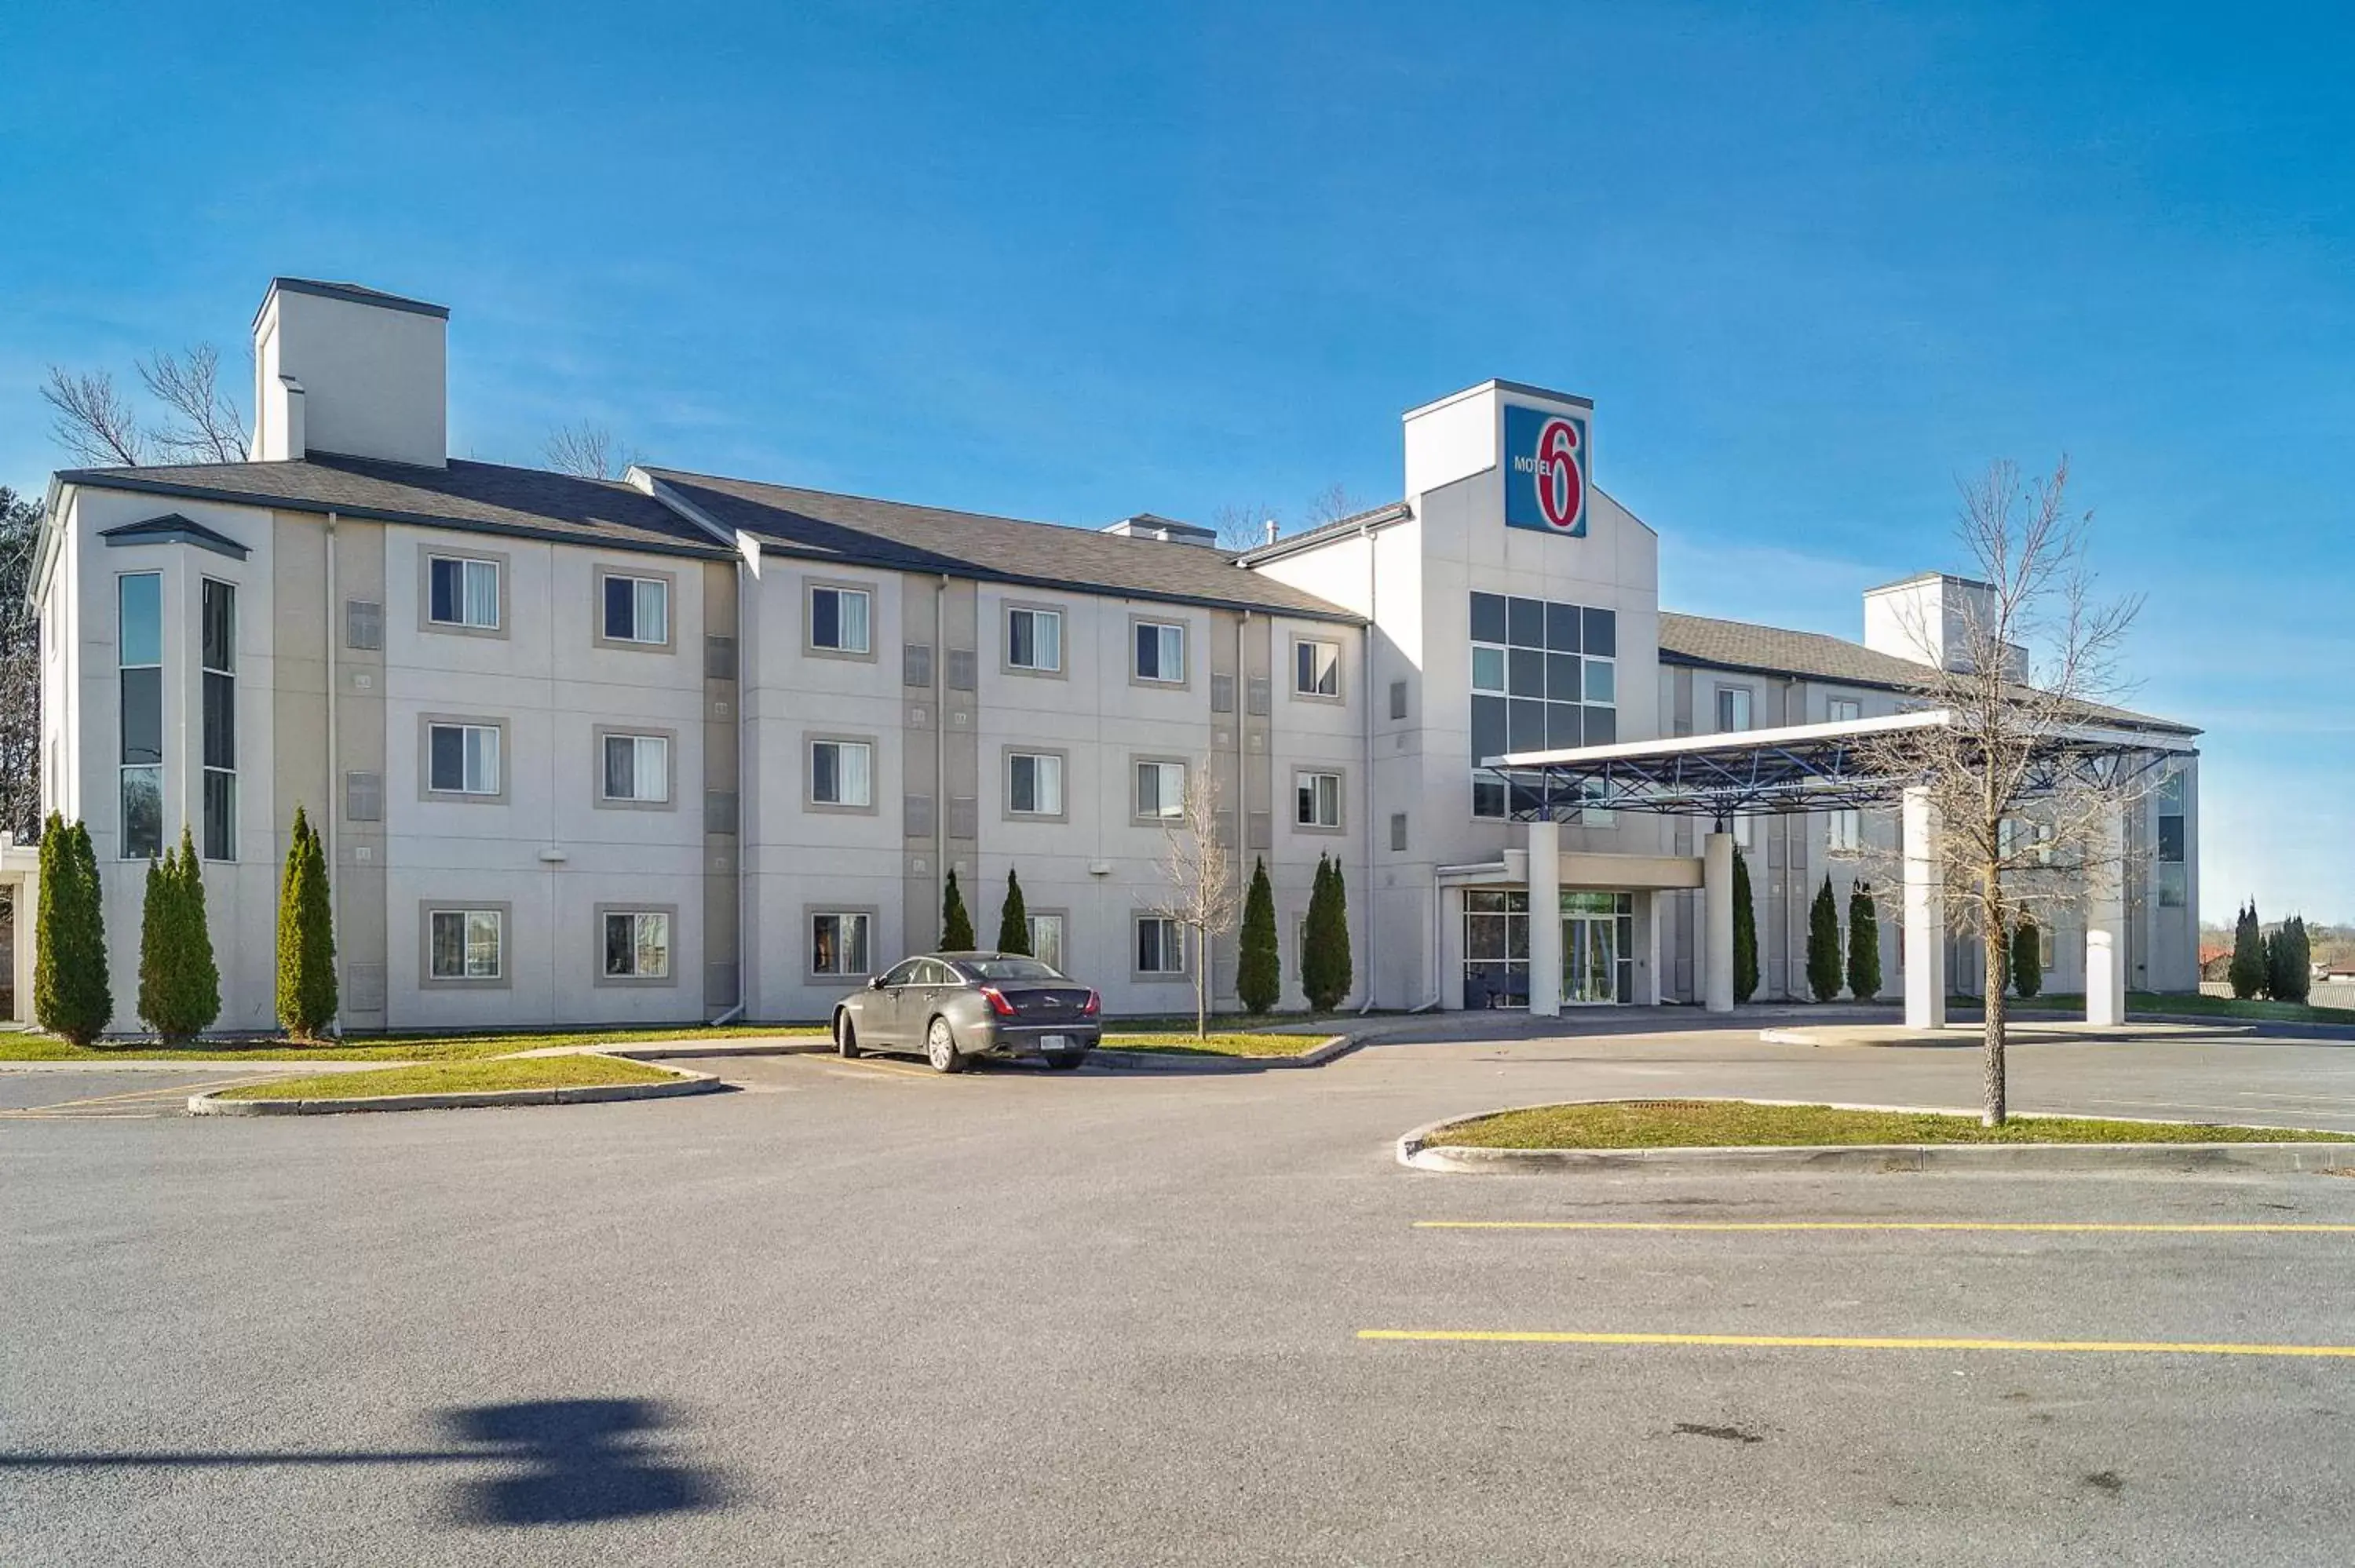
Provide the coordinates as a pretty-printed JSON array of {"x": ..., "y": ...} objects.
[{"x": 2215, "y": 962}]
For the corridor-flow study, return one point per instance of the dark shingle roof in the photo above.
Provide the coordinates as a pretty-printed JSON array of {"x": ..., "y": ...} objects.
[
  {"x": 480, "y": 497},
  {"x": 817, "y": 524},
  {"x": 1705, "y": 643},
  {"x": 1285, "y": 545},
  {"x": 171, "y": 528}
]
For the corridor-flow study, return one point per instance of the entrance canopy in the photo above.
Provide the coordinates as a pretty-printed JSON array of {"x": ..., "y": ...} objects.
[{"x": 1802, "y": 768}]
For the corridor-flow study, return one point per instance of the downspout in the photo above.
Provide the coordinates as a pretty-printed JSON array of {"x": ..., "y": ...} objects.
[
  {"x": 1365, "y": 669},
  {"x": 940, "y": 753},
  {"x": 327, "y": 807},
  {"x": 1242, "y": 766}
]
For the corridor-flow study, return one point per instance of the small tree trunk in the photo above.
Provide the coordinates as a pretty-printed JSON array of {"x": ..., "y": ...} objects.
[
  {"x": 1991, "y": 964},
  {"x": 1202, "y": 985}
]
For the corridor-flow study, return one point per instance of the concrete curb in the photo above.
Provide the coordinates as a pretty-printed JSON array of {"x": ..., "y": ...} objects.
[
  {"x": 2029, "y": 1034},
  {"x": 1129, "y": 1059},
  {"x": 682, "y": 1083},
  {"x": 1417, "y": 1152}
]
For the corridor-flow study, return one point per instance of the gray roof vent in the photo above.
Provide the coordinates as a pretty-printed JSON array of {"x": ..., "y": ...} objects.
[{"x": 1169, "y": 530}]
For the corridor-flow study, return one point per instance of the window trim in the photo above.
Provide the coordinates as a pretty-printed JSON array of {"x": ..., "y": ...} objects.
[
  {"x": 810, "y": 648},
  {"x": 600, "y": 734},
  {"x": 810, "y": 912},
  {"x": 1006, "y": 664},
  {"x": 1184, "y": 972},
  {"x": 1136, "y": 813},
  {"x": 1340, "y": 799},
  {"x": 1718, "y": 691},
  {"x": 425, "y": 791},
  {"x": 1339, "y": 695},
  {"x": 810, "y": 802},
  {"x": 206, "y": 771},
  {"x": 429, "y": 907},
  {"x": 1185, "y": 654},
  {"x": 633, "y": 982},
  {"x": 124, "y": 770},
  {"x": 428, "y": 553},
  {"x": 1005, "y": 756},
  {"x": 603, "y": 574}
]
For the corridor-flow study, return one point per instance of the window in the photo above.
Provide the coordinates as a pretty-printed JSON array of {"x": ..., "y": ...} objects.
[
  {"x": 1398, "y": 831},
  {"x": 1496, "y": 948},
  {"x": 462, "y": 759},
  {"x": 1398, "y": 699},
  {"x": 462, "y": 591},
  {"x": 1316, "y": 801},
  {"x": 1034, "y": 784},
  {"x": 1160, "y": 651},
  {"x": 217, "y": 650},
  {"x": 1034, "y": 640},
  {"x": 1160, "y": 789},
  {"x": 838, "y": 943},
  {"x": 1316, "y": 668},
  {"x": 636, "y": 609},
  {"x": 1047, "y": 939},
  {"x": 838, "y": 619},
  {"x": 635, "y": 767},
  {"x": 139, "y": 644},
  {"x": 1160, "y": 946},
  {"x": 637, "y": 944},
  {"x": 1845, "y": 833},
  {"x": 1845, "y": 710},
  {"x": 467, "y": 944},
  {"x": 1733, "y": 707},
  {"x": 840, "y": 773},
  {"x": 1545, "y": 677},
  {"x": 2172, "y": 879}
]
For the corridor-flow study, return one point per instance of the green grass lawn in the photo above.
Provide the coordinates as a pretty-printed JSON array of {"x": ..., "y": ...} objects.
[
  {"x": 32, "y": 1047},
  {"x": 1181, "y": 1042},
  {"x": 1719, "y": 1124},
  {"x": 2175, "y": 1004},
  {"x": 457, "y": 1078}
]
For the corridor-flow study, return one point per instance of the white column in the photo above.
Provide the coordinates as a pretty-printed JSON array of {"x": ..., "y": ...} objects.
[
  {"x": 1545, "y": 918},
  {"x": 2105, "y": 923},
  {"x": 1717, "y": 923},
  {"x": 1650, "y": 993},
  {"x": 1925, "y": 913}
]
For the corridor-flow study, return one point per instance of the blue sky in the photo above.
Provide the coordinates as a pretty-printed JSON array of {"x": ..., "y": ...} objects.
[{"x": 1812, "y": 262}]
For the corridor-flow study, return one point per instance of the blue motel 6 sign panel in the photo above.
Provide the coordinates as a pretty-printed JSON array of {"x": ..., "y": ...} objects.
[{"x": 1545, "y": 471}]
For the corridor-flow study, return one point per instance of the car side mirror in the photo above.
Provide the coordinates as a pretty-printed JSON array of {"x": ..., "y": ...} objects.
[{"x": 874, "y": 982}]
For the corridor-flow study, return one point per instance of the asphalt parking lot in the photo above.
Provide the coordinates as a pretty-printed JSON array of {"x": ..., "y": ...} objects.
[{"x": 855, "y": 1313}]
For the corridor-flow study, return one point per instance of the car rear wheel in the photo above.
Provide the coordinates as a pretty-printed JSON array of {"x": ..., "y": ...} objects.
[
  {"x": 940, "y": 1047},
  {"x": 1064, "y": 1061},
  {"x": 846, "y": 1035}
]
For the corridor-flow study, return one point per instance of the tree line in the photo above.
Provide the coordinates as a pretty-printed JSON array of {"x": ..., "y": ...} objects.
[{"x": 2277, "y": 964}]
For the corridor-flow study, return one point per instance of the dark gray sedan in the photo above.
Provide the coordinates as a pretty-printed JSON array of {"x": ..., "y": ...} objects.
[{"x": 950, "y": 1008}]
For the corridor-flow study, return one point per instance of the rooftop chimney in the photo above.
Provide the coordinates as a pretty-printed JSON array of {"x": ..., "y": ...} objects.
[
  {"x": 340, "y": 368},
  {"x": 1930, "y": 620},
  {"x": 1145, "y": 526}
]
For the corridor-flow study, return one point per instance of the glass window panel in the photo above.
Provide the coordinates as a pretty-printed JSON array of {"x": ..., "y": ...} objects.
[
  {"x": 854, "y": 607},
  {"x": 1732, "y": 708},
  {"x": 620, "y": 609},
  {"x": 143, "y": 715},
  {"x": 1021, "y": 640},
  {"x": 1488, "y": 795},
  {"x": 219, "y": 631},
  {"x": 2170, "y": 838},
  {"x": 1602, "y": 633},
  {"x": 482, "y": 760},
  {"x": 1484, "y": 936},
  {"x": 1525, "y": 725},
  {"x": 2171, "y": 794},
  {"x": 1047, "y": 939},
  {"x": 449, "y": 945},
  {"x": 1489, "y": 736},
  {"x": 826, "y": 618},
  {"x": 143, "y": 813},
  {"x": 1022, "y": 783},
  {"x": 1844, "y": 710},
  {"x": 447, "y": 764},
  {"x": 1561, "y": 677},
  {"x": 220, "y": 815},
  {"x": 1050, "y": 784},
  {"x": 1602, "y": 681},
  {"x": 856, "y": 786},
  {"x": 2174, "y": 885},
  {"x": 1525, "y": 622},
  {"x": 826, "y": 772},
  {"x": 651, "y": 775},
  {"x": 482, "y": 944},
  {"x": 140, "y": 625},
  {"x": 654, "y": 946},
  {"x": 1487, "y": 618},
  {"x": 1173, "y": 652},
  {"x": 221, "y": 720},
  {"x": 1047, "y": 627},
  {"x": 1149, "y": 654},
  {"x": 1526, "y": 672},
  {"x": 1562, "y": 628},
  {"x": 1488, "y": 669},
  {"x": 1602, "y": 726},
  {"x": 445, "y": 592},
  {"x": 620, "y": 945},
  {"x": 1517, "y": 933},
  {"x": 653, "y": 598},
  {"x": 1562, "y": 728},
  {"x": 620, "y": 767},
  {"x": 482, "y": 593}
]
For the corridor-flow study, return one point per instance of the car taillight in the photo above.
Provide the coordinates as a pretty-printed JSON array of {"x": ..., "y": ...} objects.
[
  {"x": 1094, "y": 1006},
  {"x": 998, "y": 1002}
]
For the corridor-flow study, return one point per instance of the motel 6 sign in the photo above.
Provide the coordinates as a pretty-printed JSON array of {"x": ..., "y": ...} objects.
[{"x": 1545, "y": 471}]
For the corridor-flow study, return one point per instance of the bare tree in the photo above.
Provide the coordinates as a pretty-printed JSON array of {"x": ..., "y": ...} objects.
[
  {"x": 91, "y": 421},
  {"x": 207, "y": 427},
  {"x": 1245, "y": 527},
  {"x": 2032, "y": 655},
  {"x": 1332, "y": 503},
  {"x": 20, "y": 676},
  {"x": 587, "y": 451},
  {"x": 1204, "y": 894}
]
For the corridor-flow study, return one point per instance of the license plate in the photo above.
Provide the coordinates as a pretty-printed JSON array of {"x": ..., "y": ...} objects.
[{"x": 1054, "y": 1042}]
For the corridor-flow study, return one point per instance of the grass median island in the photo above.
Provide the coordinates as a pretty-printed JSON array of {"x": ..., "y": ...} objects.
[
  {"x": 31, "y": 1047},
  {"x": 1182, "y": 1043},
  {"x": 458, "y": 1077},
  {"x": 1737, "y": 1124}
]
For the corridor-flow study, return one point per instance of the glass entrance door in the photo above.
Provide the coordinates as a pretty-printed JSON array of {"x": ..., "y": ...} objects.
[{"x": 1597, "y": 931}]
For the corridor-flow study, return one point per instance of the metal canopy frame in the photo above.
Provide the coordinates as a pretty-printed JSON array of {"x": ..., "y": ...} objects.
[{"x": 1779, "y": 772}]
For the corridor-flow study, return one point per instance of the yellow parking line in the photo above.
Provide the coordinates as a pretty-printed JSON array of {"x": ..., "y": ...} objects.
[
  {"x": 178, "y": 1093},
  {"x": 2039, "y": 1225},
  {"x": 1831, "y": 1342},
  {"x": 869, "y": 1064}
]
